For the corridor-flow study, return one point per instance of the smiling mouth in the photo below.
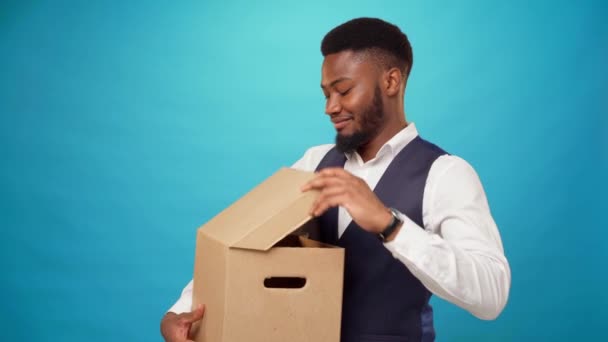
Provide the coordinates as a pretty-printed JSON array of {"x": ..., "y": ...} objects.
[{"x": 341, "y": 122}]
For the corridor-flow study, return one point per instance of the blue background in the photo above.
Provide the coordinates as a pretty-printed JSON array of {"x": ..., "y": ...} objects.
[{"x": 126, "y": 125}]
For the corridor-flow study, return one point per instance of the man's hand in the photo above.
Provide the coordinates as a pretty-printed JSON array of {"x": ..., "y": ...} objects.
[
  {"x": 340, "y": 188},
  {"x": 176, "y": 328}
]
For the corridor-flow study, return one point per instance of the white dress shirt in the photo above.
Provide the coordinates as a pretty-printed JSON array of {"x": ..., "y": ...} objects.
[{"x": 458, "y": 254}]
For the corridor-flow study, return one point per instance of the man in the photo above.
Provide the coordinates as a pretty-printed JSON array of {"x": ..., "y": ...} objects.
[{"x": 425, "y": 229}]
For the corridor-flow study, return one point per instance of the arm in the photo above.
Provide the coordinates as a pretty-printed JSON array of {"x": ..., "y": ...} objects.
[
  {"x": 175, "y": 325},
  {"x": 458, "y": 255},
  {"x": 184, "y": 303}
]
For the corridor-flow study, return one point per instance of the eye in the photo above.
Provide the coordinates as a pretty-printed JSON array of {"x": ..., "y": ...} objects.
[{"x": 344, "y": 93}]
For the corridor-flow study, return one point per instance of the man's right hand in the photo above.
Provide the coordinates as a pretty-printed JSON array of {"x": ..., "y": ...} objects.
[{"x": 176, "y": 327}]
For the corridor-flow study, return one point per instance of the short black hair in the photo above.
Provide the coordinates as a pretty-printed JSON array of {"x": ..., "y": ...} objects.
[{"x": 384, "y": 40}]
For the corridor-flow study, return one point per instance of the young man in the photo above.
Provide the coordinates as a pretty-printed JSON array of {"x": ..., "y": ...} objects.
[{"x": 425, "y": 229}]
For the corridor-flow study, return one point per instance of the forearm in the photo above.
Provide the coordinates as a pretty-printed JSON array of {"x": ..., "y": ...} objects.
[{"x": 467, "y": 272}]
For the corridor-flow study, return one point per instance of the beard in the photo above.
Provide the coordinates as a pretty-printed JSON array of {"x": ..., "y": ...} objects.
[{"x": 371, "y": 122}]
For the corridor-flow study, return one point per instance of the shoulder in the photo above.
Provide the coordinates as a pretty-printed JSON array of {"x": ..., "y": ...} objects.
[
  {"x": 319, "y": 150},
  {"x": 453, "y": 174},
  {"x": 312, "y": 157},
  {"x": 451, "y": 164}
]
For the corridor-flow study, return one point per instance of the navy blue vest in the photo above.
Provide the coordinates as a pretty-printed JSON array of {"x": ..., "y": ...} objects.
[{"x": 382, "y": 300}]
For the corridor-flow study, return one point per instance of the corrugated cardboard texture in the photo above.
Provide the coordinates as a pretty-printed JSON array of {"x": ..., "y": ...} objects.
[
  {"x": 255, "y": 313},
  {"x": 209, "y": 286},
  {"x": 266, "y": 214},
  {"x": 236, "y": 267}
]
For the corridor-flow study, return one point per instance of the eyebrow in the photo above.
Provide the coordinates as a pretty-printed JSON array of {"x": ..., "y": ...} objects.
[{"x": 336, "y": 81}]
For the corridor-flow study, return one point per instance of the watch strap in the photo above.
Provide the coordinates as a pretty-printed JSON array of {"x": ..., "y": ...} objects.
[{"x": 392, "y": 226}]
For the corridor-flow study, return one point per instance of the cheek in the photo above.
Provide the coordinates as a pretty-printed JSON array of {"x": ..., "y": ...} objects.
[
  {"x": 356, "y": 107},
  {"x": 353, "y": 104}
]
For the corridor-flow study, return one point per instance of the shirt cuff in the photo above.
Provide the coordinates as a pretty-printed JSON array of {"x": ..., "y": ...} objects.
[
  {"x": 181, "y": 306},
  {"x": 409, "y": 237}
]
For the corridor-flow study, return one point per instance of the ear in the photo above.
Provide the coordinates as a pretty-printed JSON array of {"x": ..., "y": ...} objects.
[{"x": 393, "y": 80}]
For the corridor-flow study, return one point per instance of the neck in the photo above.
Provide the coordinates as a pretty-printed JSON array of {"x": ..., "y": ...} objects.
[{"x": 369, "y": 150}]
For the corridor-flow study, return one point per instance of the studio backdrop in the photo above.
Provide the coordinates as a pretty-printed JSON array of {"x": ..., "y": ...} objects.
[{"x": 125, "y": 125}]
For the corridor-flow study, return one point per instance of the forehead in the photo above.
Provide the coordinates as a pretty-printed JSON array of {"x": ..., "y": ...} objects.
[{"x": 347, "y": 64}]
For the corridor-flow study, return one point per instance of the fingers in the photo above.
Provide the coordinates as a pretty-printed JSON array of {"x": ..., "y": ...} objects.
[
  {"x": 322, "y": 182},
  {"x": 328, "y": 177},
  {"x": 330, "y": 201},
  {"x": 339, "y": 188},
  {"x": 330, "y": 196},
  {"x": 334, "y": 171},
  {"x": 336, "y": 186}
]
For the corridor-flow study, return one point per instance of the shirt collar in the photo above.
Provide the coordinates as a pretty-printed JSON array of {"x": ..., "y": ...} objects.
[{"x": 392, "y": 147}]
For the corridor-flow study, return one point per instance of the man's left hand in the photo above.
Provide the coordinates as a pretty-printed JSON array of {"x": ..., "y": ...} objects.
[{"x": 340, "y": 188}]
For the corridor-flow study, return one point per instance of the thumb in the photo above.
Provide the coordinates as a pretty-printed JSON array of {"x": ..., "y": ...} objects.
[{"x": 194, "y": 315}]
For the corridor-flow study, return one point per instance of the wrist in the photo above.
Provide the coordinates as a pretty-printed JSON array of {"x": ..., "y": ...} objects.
[
  {"x": 389, "y": 232},
  {"x": 392, "y": 236},
  {"x": 384, "y": 221}
]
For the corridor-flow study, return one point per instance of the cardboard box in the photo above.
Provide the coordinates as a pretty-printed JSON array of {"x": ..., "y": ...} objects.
[{"x": 260, "y": 284}]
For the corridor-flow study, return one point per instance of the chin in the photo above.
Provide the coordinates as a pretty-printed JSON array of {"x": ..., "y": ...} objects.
[{"x": 346, "y": 133}]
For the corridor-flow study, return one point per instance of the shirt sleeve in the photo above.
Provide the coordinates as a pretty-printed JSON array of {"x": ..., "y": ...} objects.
[
  {"x": 311, "y": 158},
  {"x": 458, "y": 254},
  {"x": 184, "y": 303}
]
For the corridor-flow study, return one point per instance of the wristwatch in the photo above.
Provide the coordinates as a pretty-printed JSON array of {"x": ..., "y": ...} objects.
[{"x": 390, "y": 229}]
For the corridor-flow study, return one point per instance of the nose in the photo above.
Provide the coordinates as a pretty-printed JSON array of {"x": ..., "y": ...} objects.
[{"x": 332, "y": 105}]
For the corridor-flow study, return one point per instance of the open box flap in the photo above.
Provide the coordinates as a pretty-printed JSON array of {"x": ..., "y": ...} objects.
[{"x": 266, "y": 214}]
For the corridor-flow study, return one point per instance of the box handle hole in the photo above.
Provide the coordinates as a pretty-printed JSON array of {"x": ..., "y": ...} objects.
[{"x": 284, "y": 282}]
